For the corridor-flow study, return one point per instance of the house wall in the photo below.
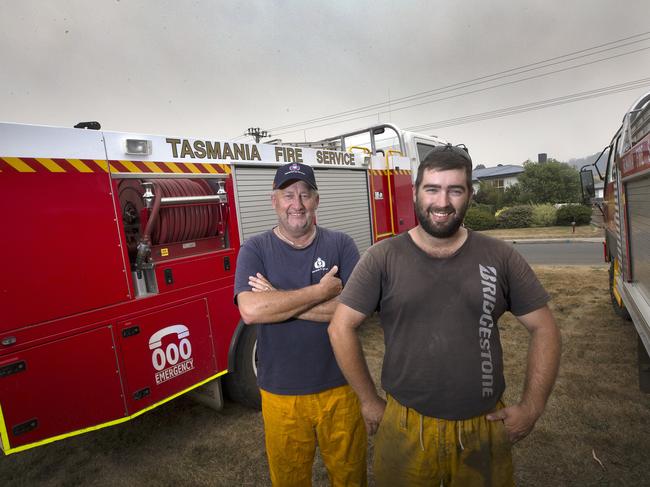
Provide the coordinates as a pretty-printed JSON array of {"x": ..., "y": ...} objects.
[{"x": 507, "y": 182}]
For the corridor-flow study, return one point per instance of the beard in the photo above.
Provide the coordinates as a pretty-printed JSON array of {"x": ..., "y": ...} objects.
[{"x": 436, "y": 229}]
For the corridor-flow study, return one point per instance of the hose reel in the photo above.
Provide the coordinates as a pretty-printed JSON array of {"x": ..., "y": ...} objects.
[{"x": 173, "y": 213}]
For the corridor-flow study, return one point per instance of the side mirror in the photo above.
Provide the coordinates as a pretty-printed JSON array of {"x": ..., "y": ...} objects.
[{"x": 587, "y": 183}]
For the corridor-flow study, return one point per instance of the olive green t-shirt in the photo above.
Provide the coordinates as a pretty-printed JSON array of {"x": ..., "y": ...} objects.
[{"x": 439, "y": 316}]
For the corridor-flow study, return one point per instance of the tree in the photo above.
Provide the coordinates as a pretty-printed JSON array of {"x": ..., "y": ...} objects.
[
  {"x": 549, "y": 182},
  {"x": 512, "y": 195},
  {"x": 487, "y": 194}
]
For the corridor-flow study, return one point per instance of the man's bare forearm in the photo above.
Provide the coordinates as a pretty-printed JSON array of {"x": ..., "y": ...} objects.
[
  {"x": 278, "y": 306},
  {"x": 349, "y": 354},
  {"x": 542, "y": 367},
  {"x": 322, "y": 312}
]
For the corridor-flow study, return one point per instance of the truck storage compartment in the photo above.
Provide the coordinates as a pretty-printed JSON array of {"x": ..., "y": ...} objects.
[
  {"x": 59, "y": 388},
  {"x": 638, "y": 201},
  {"x": 165, "y": 352},
  {"x": 61, "y": 245}
]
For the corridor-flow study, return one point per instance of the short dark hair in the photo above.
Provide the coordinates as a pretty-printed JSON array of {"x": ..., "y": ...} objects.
[{"x": 446, "y": 158}]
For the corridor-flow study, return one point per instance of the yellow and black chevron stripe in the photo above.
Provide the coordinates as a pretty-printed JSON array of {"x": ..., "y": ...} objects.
[
  {"x": 385, "y": 172},
  {"x": 56, "y": 165}
]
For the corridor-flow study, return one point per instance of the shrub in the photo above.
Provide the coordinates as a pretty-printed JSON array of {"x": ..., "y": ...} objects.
[
  {"x": 488, "y": 195},
  {"x": 516, "y": 217},
  {"x": 479, "y": 219},
  {"x": 581, "y": 214},
  {"x": 544, "y": 215},
  {"x": 482, "y": 206},
  {"x": 512, "y": 195}
]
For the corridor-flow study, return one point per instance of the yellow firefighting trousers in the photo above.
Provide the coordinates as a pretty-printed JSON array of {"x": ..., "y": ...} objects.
[
  {"x": 416, "y": 450},
  {"x": 294, "y": 425}
]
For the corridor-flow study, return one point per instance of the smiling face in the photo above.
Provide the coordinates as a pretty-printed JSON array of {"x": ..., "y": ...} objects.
[
  {"x": 295, "y": 205},
  {"x": 441, "y": 201}
]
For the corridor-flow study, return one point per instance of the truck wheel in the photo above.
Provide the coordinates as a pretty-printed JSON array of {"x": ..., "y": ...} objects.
[
  {"x": 241, "y": 385},
  {"x": 644, "y": 368},
  {"x": 620, "y": 310}
]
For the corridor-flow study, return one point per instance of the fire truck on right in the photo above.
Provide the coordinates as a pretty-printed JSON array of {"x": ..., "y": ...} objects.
[{"x": 626, "y": 211}]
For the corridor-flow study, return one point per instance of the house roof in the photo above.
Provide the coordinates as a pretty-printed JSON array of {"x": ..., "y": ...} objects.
[{"x": 504, "y": 170}]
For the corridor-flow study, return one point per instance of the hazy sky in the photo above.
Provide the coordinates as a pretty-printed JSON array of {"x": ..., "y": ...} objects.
[{"x": 214, "y": 68}]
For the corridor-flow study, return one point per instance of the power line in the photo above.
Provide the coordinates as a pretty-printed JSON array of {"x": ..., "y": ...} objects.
[
  {"x": 474, "y": 82},
  {"x": 613, "y": 89},
  {"x": 457, "y": 95},
  {"x": 546, "y": 66},
  {"x": 537, "y": 105},
  {"x": 484, "y": 79},
  {"x": 479, "y": 90},
  {"x": 521, "y": 69}
]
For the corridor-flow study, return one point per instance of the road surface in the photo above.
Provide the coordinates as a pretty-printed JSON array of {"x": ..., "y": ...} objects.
[{"x": 562, "y": 253}]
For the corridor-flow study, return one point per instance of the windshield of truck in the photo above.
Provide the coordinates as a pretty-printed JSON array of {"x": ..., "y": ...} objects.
[
  {"x": 609, "y": 176},
  {"x": 387, "y": 140},
  {"x": 423, "y": 150}
]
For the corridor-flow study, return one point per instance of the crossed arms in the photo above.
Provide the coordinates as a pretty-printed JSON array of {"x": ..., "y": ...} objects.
[{"x": 266, "y": 304}]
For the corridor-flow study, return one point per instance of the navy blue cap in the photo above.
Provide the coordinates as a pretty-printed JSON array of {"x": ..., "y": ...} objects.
[{"x": 294, "y": 172}]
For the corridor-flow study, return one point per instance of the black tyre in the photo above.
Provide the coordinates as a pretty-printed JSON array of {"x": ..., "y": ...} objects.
[
  {"x": 620, "y": 310},
  {"x": 241, "y": 384}
]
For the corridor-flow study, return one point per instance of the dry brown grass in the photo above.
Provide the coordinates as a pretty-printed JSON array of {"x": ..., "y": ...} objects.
[
  {"x": 595, "y": 406},
  {"x": 583, "y": 231}
]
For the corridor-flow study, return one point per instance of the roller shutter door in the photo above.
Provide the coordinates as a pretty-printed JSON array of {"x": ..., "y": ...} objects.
[
  {"x": 343, "y": 202},
  {"x": 638, "y": 204}
]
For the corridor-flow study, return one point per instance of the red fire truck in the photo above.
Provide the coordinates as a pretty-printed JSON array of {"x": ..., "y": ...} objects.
[
  {"x": 626, "y": 211},
  {"x": 117, "y": 288}
]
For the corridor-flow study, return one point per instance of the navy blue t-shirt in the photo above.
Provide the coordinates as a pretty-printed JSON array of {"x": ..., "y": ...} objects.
[{"x": 295, "y": 357}]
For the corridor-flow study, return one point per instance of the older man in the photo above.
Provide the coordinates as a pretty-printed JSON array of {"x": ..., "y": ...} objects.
[
  {"x": 287, "y": 281},
  {"x": 440, "y": 290}
]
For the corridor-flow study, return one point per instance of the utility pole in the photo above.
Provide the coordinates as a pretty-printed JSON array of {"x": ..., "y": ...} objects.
[{"x": 257, "y": 133}]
